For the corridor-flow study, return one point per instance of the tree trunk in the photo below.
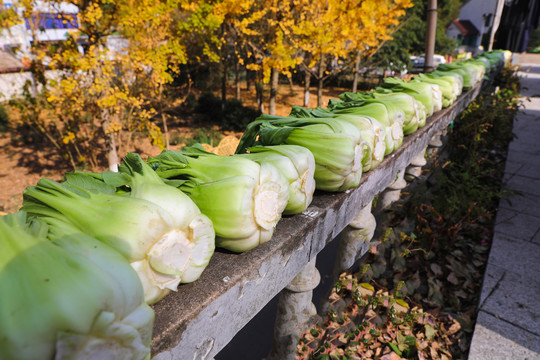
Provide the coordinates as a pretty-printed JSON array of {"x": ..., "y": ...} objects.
[
  {"x": 356, "y": 72},
  {"x": 274, "y": 82},
  {"x": 291, "y": 85},
  {"x": 248, "y": 79},
  {"x": 259, "y": 90},
  {"x": 237, "y": 80},
  {"x": 224, "y": 87},
  {"x": 163, "y": 117},
  {"x": 307, "y": 81},
  {"x": 165, "y": 130},
  {"x": 321, "y": 82},
  {"x": 112, "y": 154}
]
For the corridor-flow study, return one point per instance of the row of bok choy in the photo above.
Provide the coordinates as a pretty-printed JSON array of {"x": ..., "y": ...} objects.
[{"x": 83, "y": 258}]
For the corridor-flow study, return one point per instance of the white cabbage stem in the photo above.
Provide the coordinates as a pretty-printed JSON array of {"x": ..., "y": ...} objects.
[
  {"x": 110, "y": 338},
  {"x": 271, "y": 197},
  {"x": 307, "y": 184},
  {"x": 178, "y": 256},
  {"x": 354, "y": 176},
  {"x": 267, "y": 207},
  {"x": 297, "y": 165},
  {"x": 437, "y": 97}
]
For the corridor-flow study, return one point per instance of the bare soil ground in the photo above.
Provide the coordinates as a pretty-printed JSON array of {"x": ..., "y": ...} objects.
[
  {"x": 23, "y": 165},
  {"x": 17, "y": 171}
]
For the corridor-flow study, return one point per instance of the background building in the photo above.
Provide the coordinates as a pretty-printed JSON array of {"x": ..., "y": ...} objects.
[
  {"x": 50, "y": 24},
  {"x": 475, "y": 28}
]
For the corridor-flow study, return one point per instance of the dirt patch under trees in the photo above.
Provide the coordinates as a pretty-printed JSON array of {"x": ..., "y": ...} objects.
[{"x": 23, "y": 164}]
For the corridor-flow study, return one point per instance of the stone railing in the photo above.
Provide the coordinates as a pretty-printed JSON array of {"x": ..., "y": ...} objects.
[{"x": 201, "y": 318}]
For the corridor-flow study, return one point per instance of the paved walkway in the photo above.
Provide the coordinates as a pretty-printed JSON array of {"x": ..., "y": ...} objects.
[{"x": 508, "y": 325}]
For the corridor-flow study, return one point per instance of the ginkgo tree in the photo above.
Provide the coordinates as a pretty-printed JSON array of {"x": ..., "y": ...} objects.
[
  {"x": 328, "y": 31},
  {"x": 379, "y": 19},
  {"x": 111, "y": 72},
  {"x": 107, "y": 73},
  {"x": 322, "y": 35},
  {"x": 255, "y": 32},
  {"x": 8, "y": 16},
  {"x": 155, "y": 49}
]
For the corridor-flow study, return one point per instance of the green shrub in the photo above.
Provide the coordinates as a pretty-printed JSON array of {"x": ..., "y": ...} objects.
[
  {"x": 236, "y": 116},
  {"x": 4, "y": 118},
  {"x": 232, "y": 117},
  {"x": 208, "y": 107},
  {"x": 201, "y": 136}
]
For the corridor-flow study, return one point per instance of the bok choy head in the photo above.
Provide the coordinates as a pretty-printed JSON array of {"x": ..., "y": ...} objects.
[
  {"x": 422, "y": 92},
  {"x": 371, "y": 131},
  {"x": 467, "y": 74},
  {"x": 243, "y": 199},
  {"x": 297, "y": 165},
  {"x": 445, "y": 85},
  {"x": 164, "y": 247},
  {"x": 415, "y": 111},
  {"x": 70, "y": 298},
  {"x": 194, "y": 240},
  {"x": 337, "y": 146},
  {"x": 401, "y": 106},
  {"x": 393, "y": 126},
  {"x": 453, "y": 77}
]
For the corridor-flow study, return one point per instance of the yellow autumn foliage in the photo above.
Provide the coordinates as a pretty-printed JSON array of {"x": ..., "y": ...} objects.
[{"x": 132, "y": 49}]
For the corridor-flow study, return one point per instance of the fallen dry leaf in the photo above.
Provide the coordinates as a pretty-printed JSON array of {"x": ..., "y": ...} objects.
[
  {"x": 392, "y": 356},
  {"x": 454, "y": 328}
]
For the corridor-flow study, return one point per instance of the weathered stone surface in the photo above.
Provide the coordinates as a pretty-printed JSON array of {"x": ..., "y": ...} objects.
[
  {"x": 492, "y": 277},
  {"x": 516, "y": 224},
  {"x": 515, "y": 300},
  {"x": 201, "y": 318},
  {"x": 508, "y": 321},
  {"x": 532, "y": 169},
  {"x": 517, "y": 256},
  {"x": 355, "y": 239},
  {"x": 525, "y": 184},
  {"x": 523, "y": 203},
  {"x": 295, "y": 310},
  {"x": 499, "y": 340}
]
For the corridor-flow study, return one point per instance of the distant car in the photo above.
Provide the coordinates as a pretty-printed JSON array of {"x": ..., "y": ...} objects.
[{"x": 418, "y": 61}]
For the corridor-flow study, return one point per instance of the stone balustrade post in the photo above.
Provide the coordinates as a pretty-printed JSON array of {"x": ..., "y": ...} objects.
[
  {"x": 414, "y": 170},
  {"x": 354, "y": 242},
  {"x": 355, "y": 239},
  {"x": 295, "y": 312},
  {"x": 392, "y": 192},
  {"x": 434, "y": 145}
]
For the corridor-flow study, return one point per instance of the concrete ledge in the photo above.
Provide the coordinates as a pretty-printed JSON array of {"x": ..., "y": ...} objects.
[{"x": 201, "y": 318}]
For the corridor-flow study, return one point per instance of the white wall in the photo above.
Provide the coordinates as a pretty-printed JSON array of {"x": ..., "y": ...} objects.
[
  {"x": 452, "y": 31},
  {"x": 474, "y": 10},
  {"x": 19, "y": 36},
  {"x": 11, "y": 84}
]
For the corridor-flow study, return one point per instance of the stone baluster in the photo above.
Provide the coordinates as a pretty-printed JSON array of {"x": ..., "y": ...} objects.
[
  {"x": 414, "y": 170},
  {"x": 295, "y": 312},
  {"x": 392, "y": 192},
  {"x": 434, "y": 145},
  {"x": 355, "y": 239},
  {"x": 354, "y": 242}
]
